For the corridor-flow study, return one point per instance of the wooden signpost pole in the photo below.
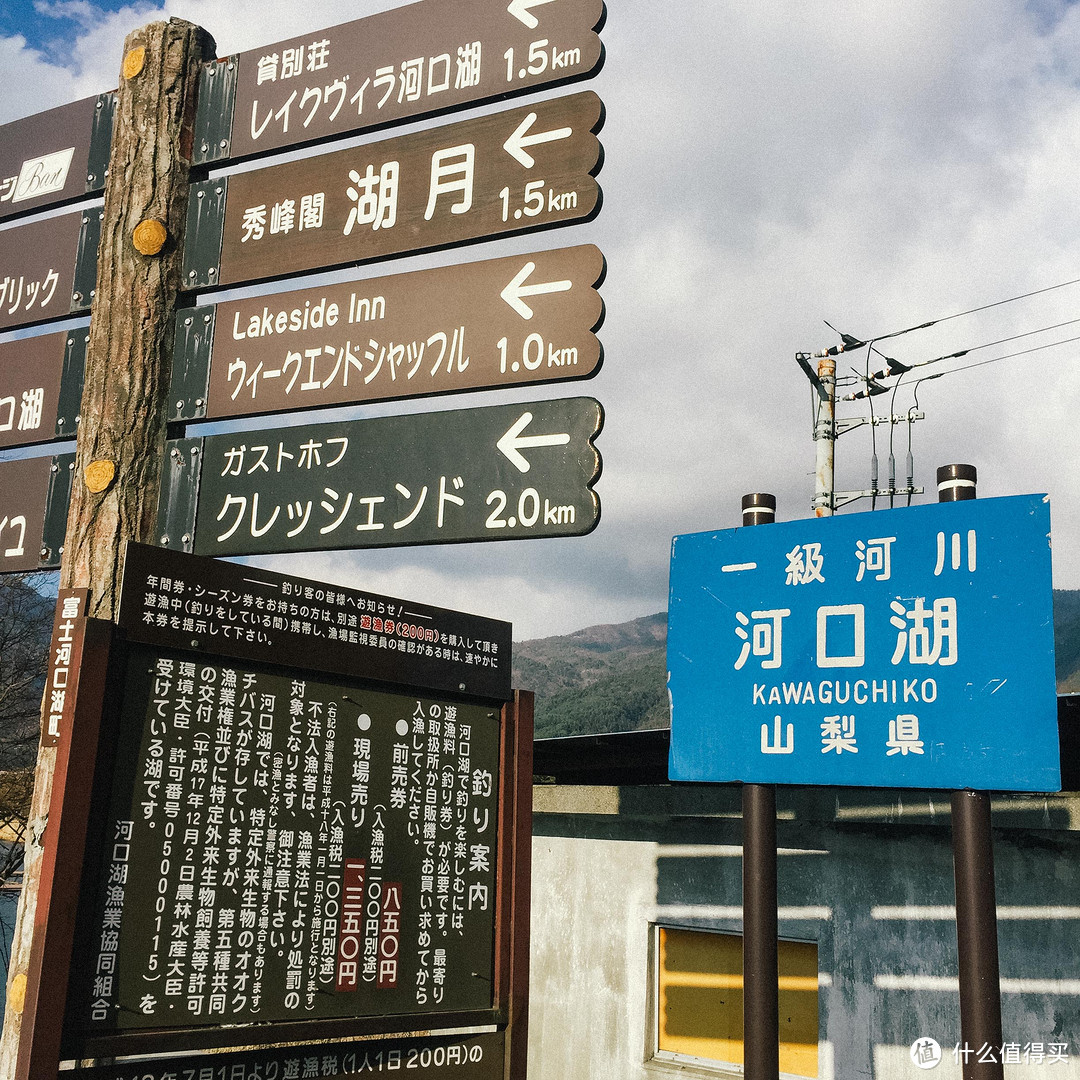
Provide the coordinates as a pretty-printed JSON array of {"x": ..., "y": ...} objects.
[{"x": 122, "y": 437}]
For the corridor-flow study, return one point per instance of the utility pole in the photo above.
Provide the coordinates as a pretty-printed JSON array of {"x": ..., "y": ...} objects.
[
  {"x": 122, "y": 430},
  {"x": 827, "y": 500}
]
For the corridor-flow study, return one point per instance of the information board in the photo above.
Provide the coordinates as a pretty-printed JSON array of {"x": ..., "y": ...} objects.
[
  {"x": 278, "y": 848},
  {"x": 900, "y": 648},
  {"x": 434, "y": 1057},
  {"x": 178, "y": 600}
]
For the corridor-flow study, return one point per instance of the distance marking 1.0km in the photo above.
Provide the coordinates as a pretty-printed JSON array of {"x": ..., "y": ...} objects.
[{"x": 502, "y": 322}]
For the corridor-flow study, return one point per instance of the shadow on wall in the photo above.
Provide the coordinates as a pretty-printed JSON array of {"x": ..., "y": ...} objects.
[{"x": 876, "y": 901}]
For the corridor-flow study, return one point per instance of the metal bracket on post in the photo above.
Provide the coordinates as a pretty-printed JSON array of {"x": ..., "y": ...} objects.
[
  {"x": 71, "y": 383},
  {"x": 214, "y": 115},
  {"x": 192, "y": 348},
  {"x": 205, "y": 228},
  {"x": 57, "y": 503},
  {"x": 85, "y": 283},
  {"x": 179, "y": 494},
  {"x": 100, "y": 142}
]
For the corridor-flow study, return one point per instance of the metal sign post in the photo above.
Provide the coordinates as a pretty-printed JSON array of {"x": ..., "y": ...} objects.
[
  {"x": 976, "y": 905},
  {"x": 761, "y": 988}
]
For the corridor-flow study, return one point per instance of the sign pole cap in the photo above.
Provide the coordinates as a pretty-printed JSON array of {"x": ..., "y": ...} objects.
[
  {"x": 956, "y": 482},
  {"x": 758, "y": 508}
]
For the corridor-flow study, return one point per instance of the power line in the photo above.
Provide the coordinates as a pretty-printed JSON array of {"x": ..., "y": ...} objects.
[
  {"x": 896, "y": 368},
  {"x": 1006, "y": 356},
  {"x": 849, "y": 342}
]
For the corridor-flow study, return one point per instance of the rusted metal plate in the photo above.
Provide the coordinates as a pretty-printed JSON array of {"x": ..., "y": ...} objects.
[
  {"x": 412, "y": 61},
  {"x": 30, "y": 371},
  {"x": 37, "y": 271},
  {"x": 503, "y": 322},
  {"x": 513, "y": 171},
  {"x": 501, "y": 473},
  {"x": 44, "y": 158},
  {"x": 24, "y": 492}
]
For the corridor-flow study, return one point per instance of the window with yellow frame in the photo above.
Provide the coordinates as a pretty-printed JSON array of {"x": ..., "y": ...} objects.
[{"x": 699, "y": 1000}]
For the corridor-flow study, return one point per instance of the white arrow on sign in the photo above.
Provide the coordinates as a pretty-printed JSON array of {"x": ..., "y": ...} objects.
[
  {"x": 513, "y": 441},
  {"x": 517, "y": 288},
  {"x": 520, "y": 10},
  {"x": 515, "y": 145}
]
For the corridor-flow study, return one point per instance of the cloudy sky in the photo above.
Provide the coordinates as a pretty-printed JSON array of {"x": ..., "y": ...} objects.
[{"x": 767, "y": 167}]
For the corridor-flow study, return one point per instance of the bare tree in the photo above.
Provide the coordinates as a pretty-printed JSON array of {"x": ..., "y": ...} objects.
[{"x": 26, "y": 607}]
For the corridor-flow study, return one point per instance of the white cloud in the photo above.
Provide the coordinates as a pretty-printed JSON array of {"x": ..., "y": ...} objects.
[{"x": 767, "y": 167}]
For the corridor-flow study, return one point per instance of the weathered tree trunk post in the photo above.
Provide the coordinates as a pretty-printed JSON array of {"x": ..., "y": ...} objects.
[{"x": 122, "y": 428}]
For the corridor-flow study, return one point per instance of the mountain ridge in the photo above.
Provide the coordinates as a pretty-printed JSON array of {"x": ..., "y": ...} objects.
[{"x": 613, "y": 676}]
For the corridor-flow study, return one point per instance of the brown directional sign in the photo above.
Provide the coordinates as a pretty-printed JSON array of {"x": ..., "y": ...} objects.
[
  {"x": 503, "y": 322},
  {"x": 517, "y": 170},
  {"x": 412, "y": 61},
  {"x": 500, "y": 473},
  {"x": 52, "y": 157},
  {"x": 38, "y": 270},
  {"x": 24, "y": 492},
  {"x": 31, "y": 373},
  {"x": 255, "y": 614}
]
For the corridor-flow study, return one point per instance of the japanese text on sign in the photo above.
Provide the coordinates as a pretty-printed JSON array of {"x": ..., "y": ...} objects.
[
  {"x": 408, "y": 62},
  {"x": 507, "y": 172},
  {"x": 314, "y": 850},
  {"x": 172, "y": 599},
  {"x": 877, "y": 651}
]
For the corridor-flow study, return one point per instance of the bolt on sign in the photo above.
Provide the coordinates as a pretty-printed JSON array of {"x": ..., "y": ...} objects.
[
  {"x": 36, "y": 374},
  {"x": 503, "y": 322},
  {"x": 509, "y": 172},
  {"x": 55, "y": 157},
  {"x": 44, "y": 267},
  {"x": 903, "y": 648},
  {"x": 413, "y": 61},
  {"x": 183, "y": 601},
  {"x": 499, "y": 473}
]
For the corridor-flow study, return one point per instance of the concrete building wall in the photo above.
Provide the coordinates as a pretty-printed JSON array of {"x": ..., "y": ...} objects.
[{"x": 865, "y": 875}]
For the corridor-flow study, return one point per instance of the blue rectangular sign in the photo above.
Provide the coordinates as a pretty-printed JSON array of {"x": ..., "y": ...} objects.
[{"x": 901, "y": 648}]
